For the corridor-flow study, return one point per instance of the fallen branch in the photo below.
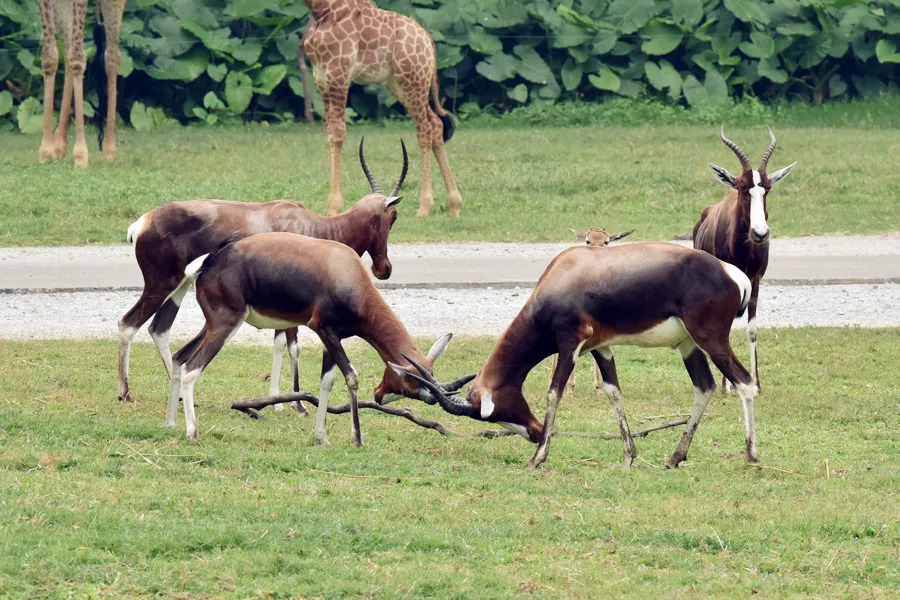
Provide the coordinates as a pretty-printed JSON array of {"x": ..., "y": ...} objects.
[{"x": 251, "y": 406}]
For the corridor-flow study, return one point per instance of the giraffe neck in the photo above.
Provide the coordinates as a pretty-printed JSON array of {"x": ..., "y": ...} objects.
[{"x": 322, "y": 10}]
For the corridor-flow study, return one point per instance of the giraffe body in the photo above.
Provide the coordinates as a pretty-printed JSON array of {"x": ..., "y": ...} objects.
[
  {"x": 66, "y": 18},
  {"x": 352, "y": 40}
]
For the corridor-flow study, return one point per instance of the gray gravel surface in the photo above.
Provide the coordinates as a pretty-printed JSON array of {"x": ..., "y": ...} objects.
[{"x": 431, "y": 312}]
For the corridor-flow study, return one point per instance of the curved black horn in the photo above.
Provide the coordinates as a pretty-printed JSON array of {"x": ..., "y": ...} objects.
[
  {"x": 376, "y": 189},
  {"x": 742, "y": 156},
  {"x": 425, "y": 372},
  {"x": 452, "y": 386},
  {"x": 451, "y": 404},
  {"x": 771, "y": 149},
  {"x": 403, "y": 171}
]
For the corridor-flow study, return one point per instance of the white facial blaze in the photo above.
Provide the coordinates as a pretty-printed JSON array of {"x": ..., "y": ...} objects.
[{"x": 757, "y": 208}]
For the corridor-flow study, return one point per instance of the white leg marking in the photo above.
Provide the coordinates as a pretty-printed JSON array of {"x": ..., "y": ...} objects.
[
  {"x": 353, "y": 384},
  {"x": 324, "y": 393},
  {"x": 515, "y": 428},
  {"x": 126, "y": 335},
  {"x": 753, "y": 336},
  {"x": 161, "y": 339},
  {"x": 174, "y": 394},
  {"x": 487, "y": 406},
  {"x": 275, "y": 374},
  {"x": 746, "y": 394},
  {"x": 187, "y": 396}
]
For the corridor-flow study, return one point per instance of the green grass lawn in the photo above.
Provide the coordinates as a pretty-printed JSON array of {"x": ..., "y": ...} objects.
[
  {"x": 518, "y": 183},
  {"x": 97, "y": 499}
]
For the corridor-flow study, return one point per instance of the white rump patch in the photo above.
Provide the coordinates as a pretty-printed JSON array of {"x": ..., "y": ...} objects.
[
  {"x": 263, "y": 322},
  {"x": 517, "y": 429},
  {"x": 136, "y": 228},
  {"x": 670, "y": 332},
  {"x": 741, "y": 280},
  {"x": 487, "y": 406}
]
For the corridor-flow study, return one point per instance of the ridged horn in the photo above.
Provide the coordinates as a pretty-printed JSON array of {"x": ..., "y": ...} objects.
[
  {"x": 769, "y": 151},
  {"x": 376, "y": 189},
  {"x": 403, "y": 171},
  {"x": 452, "y": 386},
  {"x": 742, "y": 156}
]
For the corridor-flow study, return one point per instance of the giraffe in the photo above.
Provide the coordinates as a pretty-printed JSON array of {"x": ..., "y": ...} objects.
[
  {"x": 352, "y": 40},
  {"x": 67, "y": 18}
]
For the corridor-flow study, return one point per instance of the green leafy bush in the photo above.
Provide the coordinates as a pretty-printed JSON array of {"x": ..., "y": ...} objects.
[{"x": 222, "y": 60}]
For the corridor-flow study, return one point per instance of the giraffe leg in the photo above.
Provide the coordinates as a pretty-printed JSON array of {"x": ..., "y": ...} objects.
[
  {"x": 75, "y": 63},
  {"x": 419, "y": 112},
  {"x": 49, "y": 65},
  {"x": 454, "y": 199},
  {"x": 112, "y": 21},
  {"x": 61, "y": 137},
  {"x": 335, "y": 99}
]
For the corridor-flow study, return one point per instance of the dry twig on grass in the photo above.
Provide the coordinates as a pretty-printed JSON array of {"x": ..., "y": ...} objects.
[{"x": 251, "y": 406}]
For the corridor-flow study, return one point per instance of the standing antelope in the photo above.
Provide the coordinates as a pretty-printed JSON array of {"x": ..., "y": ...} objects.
[
  {"x": 281, "y": 280},
  {"x": 590, "y": 299},
  {"x": 735, "y": 229},
  {"x": 167, "y": 238},
  {"x": 599, "y": 237}
]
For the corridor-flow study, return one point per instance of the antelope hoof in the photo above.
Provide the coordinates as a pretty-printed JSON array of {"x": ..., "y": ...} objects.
[
  {"x": 279, "y": 407},
  {"x": 192, "y": 435},
  {"x": 628, "y": 460},
  {"x": 125, "y": 397},
  {"x": 322, "y": 440},
  {"x": 301, "y": 410},
  {"x": 674, "y": 461}
]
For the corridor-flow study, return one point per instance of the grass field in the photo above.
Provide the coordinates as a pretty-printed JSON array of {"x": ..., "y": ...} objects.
[
  {"x": 518, "y": 183},
  {"x": 98, "y": 500}
]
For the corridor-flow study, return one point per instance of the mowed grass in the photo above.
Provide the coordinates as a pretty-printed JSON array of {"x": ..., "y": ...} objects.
[
  {"x": 518, "y": 184},
  {"x": 98, "y": 499}
]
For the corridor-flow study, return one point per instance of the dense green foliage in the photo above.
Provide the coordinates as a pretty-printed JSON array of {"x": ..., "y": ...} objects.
[
  {"x": 98, "y": 500},
  {"x": 223, "y": 60}
]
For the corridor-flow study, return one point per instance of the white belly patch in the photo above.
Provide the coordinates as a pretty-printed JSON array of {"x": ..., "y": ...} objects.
[
  {"x": 670, "y": 332},
  {"x": 263, "y": 322}
]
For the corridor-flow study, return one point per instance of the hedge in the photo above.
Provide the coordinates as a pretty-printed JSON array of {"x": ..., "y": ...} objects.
[{"x": 236, "y": 59}]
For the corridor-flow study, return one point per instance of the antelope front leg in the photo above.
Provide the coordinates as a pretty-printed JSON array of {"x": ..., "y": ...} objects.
[
  {"x": 607, "y": 365},
  {"x": 329, "y": 373},
  {"x": 564, "y": 365},
  {"x": 753, "y": 333},
  {"x": 279, "y": 345},
  {"x": 293, "y": 346}
]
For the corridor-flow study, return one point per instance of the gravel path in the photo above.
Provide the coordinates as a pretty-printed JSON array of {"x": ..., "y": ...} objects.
[{"x": 431, "y": 312}]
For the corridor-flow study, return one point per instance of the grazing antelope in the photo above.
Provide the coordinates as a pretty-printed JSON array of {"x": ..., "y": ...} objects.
[
  {"x": 590, "y": 299},
  {"x": 167, "y": 238},
  {"x": 735, "y": 229},
  {"x": 282, "y": 280},
  {"x": 595, "y": 236}
]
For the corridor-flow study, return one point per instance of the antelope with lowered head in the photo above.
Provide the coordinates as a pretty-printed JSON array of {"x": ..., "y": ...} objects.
[
  {"x": 590, "y": 299},
  {"x": 595, "y": 236},
  {"x": 282, "y": 280},
  {"x": 167, "y": 238},
  {"x": 735, "y": 230}
]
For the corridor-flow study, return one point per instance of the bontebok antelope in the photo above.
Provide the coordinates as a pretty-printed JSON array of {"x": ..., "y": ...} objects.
[
  {"x": 590, "y": 299},
  {"x": 281, "y": 280},
  {"x": 167, "y": 238},
  {"x": 735, "y": 230}
]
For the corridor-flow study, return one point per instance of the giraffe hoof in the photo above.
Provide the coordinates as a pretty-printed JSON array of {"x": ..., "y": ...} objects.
[{"x": 423, "y": 212}]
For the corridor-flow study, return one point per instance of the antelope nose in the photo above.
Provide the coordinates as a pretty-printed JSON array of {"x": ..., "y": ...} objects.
[{"x": 760, "y": 235}]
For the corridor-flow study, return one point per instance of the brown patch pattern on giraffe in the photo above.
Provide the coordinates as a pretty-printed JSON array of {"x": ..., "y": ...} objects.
[{"x": 352, "y": 40}]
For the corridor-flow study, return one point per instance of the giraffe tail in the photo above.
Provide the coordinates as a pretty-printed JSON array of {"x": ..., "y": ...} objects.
[
  {"x": 446, "y": 119},
  {"x": 101, "y": 82}
]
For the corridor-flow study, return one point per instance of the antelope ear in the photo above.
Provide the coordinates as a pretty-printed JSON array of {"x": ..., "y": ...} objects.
[
  {"x": 779, "y": 175},
  {"x": 392, "y": 201},
  {"x": 439, "y": 347},
  {"x": 723, "y": 175},
  {"x": 619, "y": 236},
  {"x": 401, "y": 371},
  {"x": 578, "y": 234}
]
